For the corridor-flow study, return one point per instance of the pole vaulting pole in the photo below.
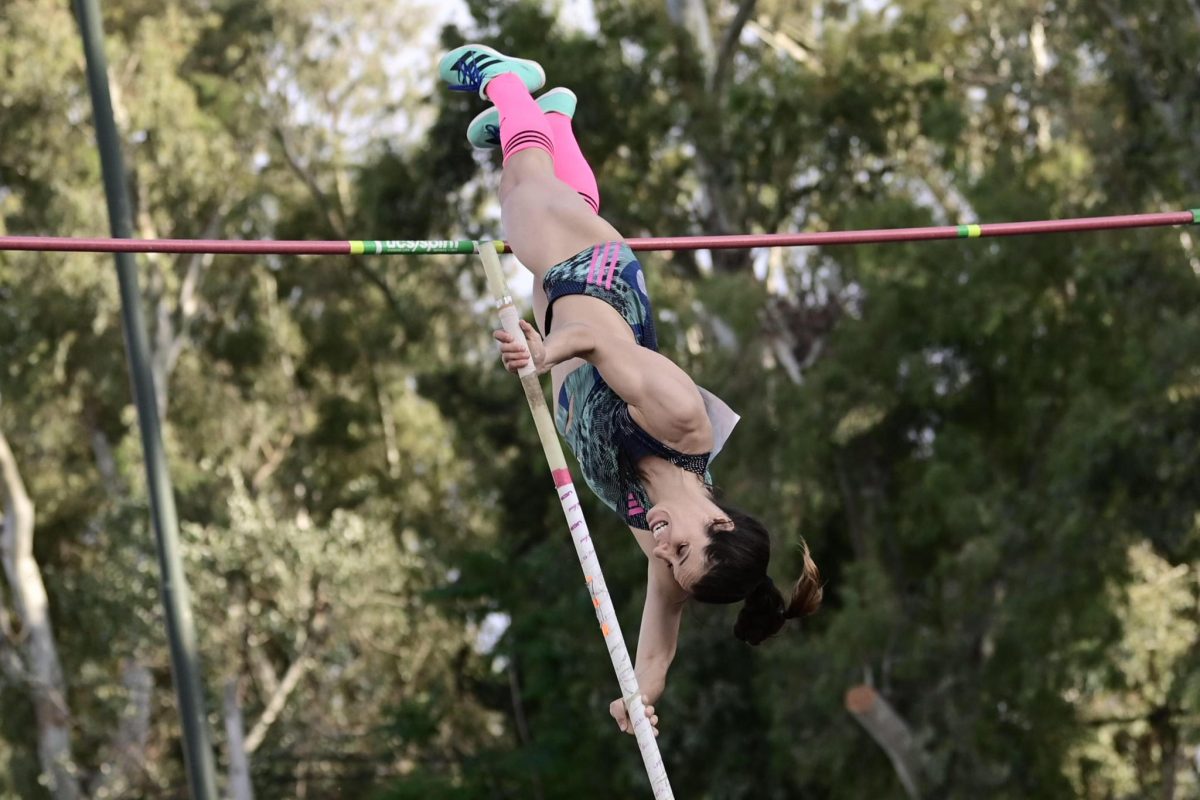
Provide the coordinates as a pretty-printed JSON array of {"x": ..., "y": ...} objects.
[
  {"x": 181, "y": 632},
  {"x": 592, "y": 574},
  {"x": 736, "y": 242}
]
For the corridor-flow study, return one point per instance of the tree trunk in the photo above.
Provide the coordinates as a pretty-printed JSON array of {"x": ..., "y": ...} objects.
[
  {"x": 691, "y": 20},
  {"x": 235, "y": 733},
  {"x": 39, "y": 650},
  {"x": 890, "y": 732},
  {"x": 692, "y": 16},
  {"x": 125, "y": 770},
  {"x": 518, "y": 706}
]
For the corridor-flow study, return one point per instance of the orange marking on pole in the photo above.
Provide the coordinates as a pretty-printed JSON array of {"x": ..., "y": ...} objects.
[
  {"x": 604, "y": 628},
  {"x": 596, "y": 602}
]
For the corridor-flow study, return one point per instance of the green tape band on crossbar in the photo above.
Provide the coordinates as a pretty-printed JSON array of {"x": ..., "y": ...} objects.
[
  {"x": 1196, "y": 216},
  {"x": 420, "y": 247},
  {"x": 969, "y": 231}
]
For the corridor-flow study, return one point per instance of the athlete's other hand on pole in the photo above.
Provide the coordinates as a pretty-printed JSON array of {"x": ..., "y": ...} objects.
[
  {"x": 513, "y": 353},
  {"x": 621, "y": 715}
]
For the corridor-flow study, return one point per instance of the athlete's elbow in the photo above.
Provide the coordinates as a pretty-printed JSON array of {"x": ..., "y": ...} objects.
[
  {"x": 571, "y": 340},
  {"x": 687, "y": 414}
]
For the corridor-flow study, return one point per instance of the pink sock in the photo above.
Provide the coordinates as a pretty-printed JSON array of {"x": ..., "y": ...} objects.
[
  {"x": 522, "y": 125},
  {"x": 570, "y": 166}
]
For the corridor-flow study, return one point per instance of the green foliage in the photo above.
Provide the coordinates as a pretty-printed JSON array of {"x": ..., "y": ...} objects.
[{"x": 991, "y": 447}]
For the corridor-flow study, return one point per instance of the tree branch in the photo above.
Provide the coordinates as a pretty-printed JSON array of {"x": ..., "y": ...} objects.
[
  {"x": 40, "y": 649},
  {"x": 518, "y": 706},
  {"x": 275, "y": 456},
  {"x": 10, "y": 658},
  {"x": 782, "y": 43},
  {"x": 313, "y": 628},
  {"x": 388, "y": 420},
  {"x": 334, "y": 218},
  {"x": 1133, "y": 53},
  {"x": 729, "y": 44},
  {"x": 128, "y": 762},
  {"x": 691, "y": 16},
  {"x": 891, "y": 733},
  {"x": 332, "y": 215},
  {"x": 188, "y": 303}
]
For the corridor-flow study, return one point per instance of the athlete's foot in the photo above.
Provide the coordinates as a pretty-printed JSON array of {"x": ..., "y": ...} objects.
[
  {"x": 470, "y": 67},
  {"x": 484, "y": 131}
]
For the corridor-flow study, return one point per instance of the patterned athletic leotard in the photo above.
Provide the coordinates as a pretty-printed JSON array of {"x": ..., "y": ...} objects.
[{"x": 590, "y": 416}]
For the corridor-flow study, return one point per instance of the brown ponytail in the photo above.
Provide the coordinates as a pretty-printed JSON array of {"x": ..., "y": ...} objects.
[
  {"x": 737, "y": 571},
  {"x": 764, "y": 612},
  {"x": 808, "y": 591}
]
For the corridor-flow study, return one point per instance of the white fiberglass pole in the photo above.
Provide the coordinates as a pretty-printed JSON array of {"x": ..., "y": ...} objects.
[{"x": 593, "y": 576}]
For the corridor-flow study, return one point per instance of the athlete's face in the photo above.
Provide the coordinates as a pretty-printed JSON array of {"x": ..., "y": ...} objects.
[{"x": 681, "y": 533}]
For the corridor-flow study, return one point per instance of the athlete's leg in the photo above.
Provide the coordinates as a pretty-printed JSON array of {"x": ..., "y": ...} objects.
[
  {"x": 570, "y": 166},
  {"x": 545, "y": 220},
  {"x": 558, "y": 107}
]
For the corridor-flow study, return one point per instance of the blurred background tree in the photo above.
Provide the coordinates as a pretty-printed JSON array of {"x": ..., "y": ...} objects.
[{"x": 991, "y": 447}]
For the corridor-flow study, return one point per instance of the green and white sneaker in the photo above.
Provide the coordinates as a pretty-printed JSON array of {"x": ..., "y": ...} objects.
[
  {"x": 469, "y": 68},
  {"x": 484, "y": 131}
]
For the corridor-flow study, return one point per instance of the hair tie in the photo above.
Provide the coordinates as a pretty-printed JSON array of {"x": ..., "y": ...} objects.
[
  {"x": 763, "y": 583},
  {"x": 763, "y": 614}
]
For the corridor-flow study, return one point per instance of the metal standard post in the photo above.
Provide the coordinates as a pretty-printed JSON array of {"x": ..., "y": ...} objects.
[
  {"x": 593, "y": 576},
  {"x": 180, "y": 628}
]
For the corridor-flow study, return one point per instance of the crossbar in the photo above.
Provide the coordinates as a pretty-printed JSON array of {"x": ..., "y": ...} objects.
[{"x": 737, "y": 242}]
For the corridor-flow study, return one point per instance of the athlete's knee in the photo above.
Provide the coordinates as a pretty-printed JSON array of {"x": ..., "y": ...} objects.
[
  {"x": 529, "y": 168},
  {"x": 525, "y": 194},
  {"x": 533, "y": 193}
]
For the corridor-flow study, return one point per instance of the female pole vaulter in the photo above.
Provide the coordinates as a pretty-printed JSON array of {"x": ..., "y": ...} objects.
[{"x": 642, "y": 431}]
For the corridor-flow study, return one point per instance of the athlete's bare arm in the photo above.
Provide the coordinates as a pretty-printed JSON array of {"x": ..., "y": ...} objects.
[{"x": 662, "y": 399}]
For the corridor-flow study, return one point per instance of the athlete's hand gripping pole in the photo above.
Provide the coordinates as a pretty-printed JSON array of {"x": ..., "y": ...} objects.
[{"x": 593, "y": 576}]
